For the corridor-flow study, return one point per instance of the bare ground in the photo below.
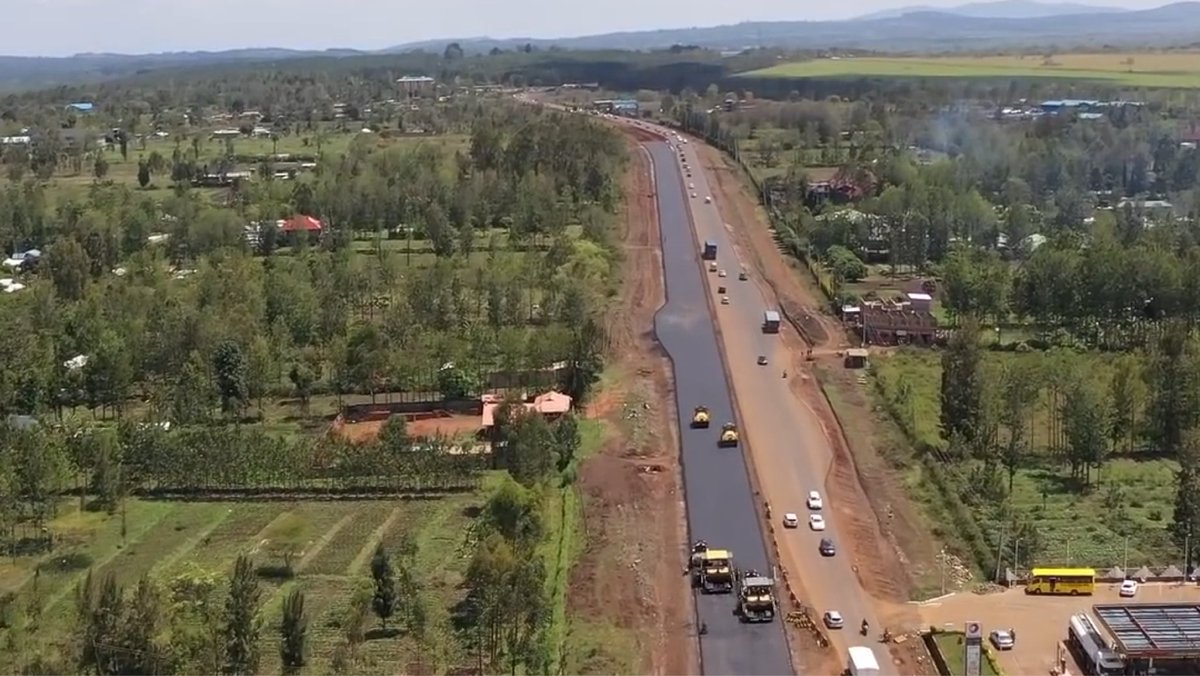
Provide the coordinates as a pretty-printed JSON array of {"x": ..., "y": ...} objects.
[
  {"x": 628, "y": 575},
  {"x": 883, "y": 528}
]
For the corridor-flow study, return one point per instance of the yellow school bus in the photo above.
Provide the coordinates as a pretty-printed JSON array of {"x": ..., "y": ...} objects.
[{"x": 1062, "y": 581}]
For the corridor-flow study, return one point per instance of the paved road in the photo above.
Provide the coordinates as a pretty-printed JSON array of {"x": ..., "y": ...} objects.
[
  {"x": 791, "y": 452},
  {"x": 720, "y": 503}
]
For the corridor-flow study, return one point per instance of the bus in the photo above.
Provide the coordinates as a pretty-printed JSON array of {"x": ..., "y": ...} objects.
[
  {"x": 1090, "y": 650},
  {"x": 1061, "y": 581}
]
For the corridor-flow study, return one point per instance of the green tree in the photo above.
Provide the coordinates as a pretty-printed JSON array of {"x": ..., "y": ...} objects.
[
  {"x": 1127, "y": 392},
  {"x": 1185, "y": 527},
  {"x": 143, "y": 174},
  {"x": 844, "y": 264},
  {"x": 530, "y": 451},
  {"x": 385, "y": 600},
  {"x": 143, "y": 623},
  {"x": 293, "y": 632},
  {"x": 962, "y": 384},
  {"x": 69, "y": 267},
  {"x": 303, "y": 378},
  {"x": 1171, "y": 375},
  {"x": 1086, "y": 419},
  {"x": 230, "y": 368},
  {"x": 242, "y": 622},
  {"x": 100, "y": 167}
]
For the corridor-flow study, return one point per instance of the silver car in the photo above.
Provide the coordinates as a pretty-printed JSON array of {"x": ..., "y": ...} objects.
[{"x": 1003, "y": 639}]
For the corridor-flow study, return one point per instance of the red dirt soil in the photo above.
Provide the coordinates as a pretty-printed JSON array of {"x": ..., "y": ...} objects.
[
  {"x": 629, "y": 573},
  {"x": 797, "y": 294},
  {"x": 445, "y": 424}
]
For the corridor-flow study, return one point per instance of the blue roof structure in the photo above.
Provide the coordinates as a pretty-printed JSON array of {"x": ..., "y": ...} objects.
[{"x": 82, "y": 107}]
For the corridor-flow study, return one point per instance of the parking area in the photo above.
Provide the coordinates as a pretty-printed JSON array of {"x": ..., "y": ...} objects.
[{"x": 1040, "y": 622}]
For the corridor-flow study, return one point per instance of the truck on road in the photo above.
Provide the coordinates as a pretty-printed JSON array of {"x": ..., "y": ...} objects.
[
  {"x": 710, "y": 250},
  {"x": 711, "y": 569},
  {"x": 862, "y": 662},
  {"x": 770, "y": 322}
]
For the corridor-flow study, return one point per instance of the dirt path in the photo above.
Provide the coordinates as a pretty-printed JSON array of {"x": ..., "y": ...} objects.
[
  {"x": 628, "y": 574},
  {"x": 865, "y": 520},
  {"x": 368, "y": 548}
]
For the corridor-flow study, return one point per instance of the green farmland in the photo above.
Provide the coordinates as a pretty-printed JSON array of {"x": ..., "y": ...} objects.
[{"x": 1165, "y": 70}]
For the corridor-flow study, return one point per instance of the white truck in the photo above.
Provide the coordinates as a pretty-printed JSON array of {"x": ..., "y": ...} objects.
[{"x": 862, "y": 662}]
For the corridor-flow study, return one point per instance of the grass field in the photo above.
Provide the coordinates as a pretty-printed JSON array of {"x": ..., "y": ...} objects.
[
  {"x": 1123, "y": 519},
  {"x": 1161, "y": 70},
  {"x": 332, "y": 542},
  {"x": 950, "y": 645}
]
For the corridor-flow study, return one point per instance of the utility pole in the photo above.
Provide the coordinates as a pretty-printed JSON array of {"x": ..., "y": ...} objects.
[
  {"x": 999, "y": 557},
  {"x": 1017, "y": 556},
  {"x": 943, "y": 561},
  {"x": 1125, "y": 562}
]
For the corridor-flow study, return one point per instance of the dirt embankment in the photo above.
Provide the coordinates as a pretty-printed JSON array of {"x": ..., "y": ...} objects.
[{"x": 629, "y": 573}]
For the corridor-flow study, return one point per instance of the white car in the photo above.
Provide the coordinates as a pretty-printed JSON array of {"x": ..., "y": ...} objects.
[
  {"x": 814, "y": 500},
  {"x": 712, "y": 267},
  {"x": 721, "y": 272},
  {"x": 724, "y": 300},
  {"x": 833, "y": 619},
  {"x": 693, "y": 195},
  {"x": 1002, "y": 639},
  {"x": 790, "y": 520},
  {"x": 708, "y": 199},
  {"x": 691, "y": 186},
  {"x": 1129, "y": 589},
  {"x": 816, "y": 522}
]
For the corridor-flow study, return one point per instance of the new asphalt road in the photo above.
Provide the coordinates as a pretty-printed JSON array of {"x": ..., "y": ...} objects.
[
  {"x": 791, "y": 450},
  {"x": 720, "y": 502}
]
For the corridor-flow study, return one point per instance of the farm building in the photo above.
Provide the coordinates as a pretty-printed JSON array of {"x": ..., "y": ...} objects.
[
  {"x": 892, "y": 323},
  {"x": 551, "y": 405}
]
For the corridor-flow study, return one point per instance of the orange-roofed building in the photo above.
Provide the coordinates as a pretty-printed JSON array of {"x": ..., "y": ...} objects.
[
  {"x": 303, "y": 223},
  {"x": 550, "y": 404}
]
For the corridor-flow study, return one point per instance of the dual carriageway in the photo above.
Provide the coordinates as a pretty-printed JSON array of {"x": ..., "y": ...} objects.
[{"x": 791, "y": 453}]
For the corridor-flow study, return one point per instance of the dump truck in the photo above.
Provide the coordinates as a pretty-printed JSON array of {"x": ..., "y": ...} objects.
[
  {"x": 729, "y": 435},
  {"x": 700, "y": 417},
  {"x": 710, "y": 250},
  {"x": 711, "y": 569},
  {"x": 770, "y": 322},
  {"x": 756, "y": 597}
]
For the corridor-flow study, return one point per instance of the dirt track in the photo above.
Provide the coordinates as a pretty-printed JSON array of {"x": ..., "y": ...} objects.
[
  {"x": 629, "y": 574},
  {"x": 863, "y": 521}
]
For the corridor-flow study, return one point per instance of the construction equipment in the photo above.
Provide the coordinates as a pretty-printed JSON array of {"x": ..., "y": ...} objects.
[
  {"x": 729, "y": 435},
  {"x": 711, "y": 569},
  {"x": 756, "y": 597},
  {"x": 700, "y": 417}
]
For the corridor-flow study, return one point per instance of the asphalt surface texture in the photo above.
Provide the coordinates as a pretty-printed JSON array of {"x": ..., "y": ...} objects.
[
  {"x": 720, "y": 500},
  {"x": 791, "y": 452}
]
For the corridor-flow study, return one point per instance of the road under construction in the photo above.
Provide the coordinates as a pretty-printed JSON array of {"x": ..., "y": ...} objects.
[{"x": 720, "y": 499}]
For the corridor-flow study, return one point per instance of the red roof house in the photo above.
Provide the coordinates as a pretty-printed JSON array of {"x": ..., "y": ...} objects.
[{"x": 302, "y": 223}]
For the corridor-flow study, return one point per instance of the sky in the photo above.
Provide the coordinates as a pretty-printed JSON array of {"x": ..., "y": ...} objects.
[{"x": 65, "y": 27}]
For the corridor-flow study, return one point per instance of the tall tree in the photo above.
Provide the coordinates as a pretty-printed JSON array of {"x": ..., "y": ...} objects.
[
  {"x": 293, "y": 632},
  {"x": 1171, "y": 375},
  {"x": 1185, "y": 527},
  {"x": 1127, "y": 392},
  {"x": 1086, "y": 419},
  {"x": 230, "y": 368},
  {"x": 385, "y": 599},
  {"x": 962, "y": 384},
  {"x": 242, "y": 622}
]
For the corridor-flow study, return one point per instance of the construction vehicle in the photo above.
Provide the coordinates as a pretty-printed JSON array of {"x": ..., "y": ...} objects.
[
  {"x": 700, "y": 417},
  {"x": 729, "y": 435},
  {"x": 756, "y": 597},
  {"x": 711, "y": 569}
]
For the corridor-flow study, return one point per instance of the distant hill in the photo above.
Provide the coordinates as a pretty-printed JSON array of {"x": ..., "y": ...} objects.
[
  {"x": 964, "y": 28},
  {"x": 1000, "y": 9},
  {"x": 1174, "y": 24}
]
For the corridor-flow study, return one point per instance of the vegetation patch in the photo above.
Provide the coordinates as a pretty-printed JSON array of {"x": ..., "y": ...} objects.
[{"x": 1162, "y": 69}]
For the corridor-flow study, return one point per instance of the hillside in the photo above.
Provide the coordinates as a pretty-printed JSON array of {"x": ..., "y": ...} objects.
[
  {"x": 1000, "y": 9},
  {"x": 915, "y": 31}
]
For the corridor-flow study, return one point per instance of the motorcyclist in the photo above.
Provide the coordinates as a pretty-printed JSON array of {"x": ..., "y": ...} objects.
[
  {"x": 865, "y": 627},
  {"x": 785, "y": 374}
]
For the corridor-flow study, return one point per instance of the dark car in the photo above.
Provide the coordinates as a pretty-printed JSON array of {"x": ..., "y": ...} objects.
[{"x": 827, "y": 548}]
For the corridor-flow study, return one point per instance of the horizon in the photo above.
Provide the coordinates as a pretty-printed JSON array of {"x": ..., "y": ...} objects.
[{"x": 318, "y": 25}]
